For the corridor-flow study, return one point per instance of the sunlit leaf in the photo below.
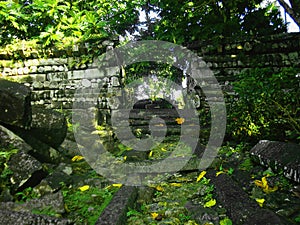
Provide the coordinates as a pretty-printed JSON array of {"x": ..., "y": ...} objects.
[
  {"x": 84, "y": 188},
  {"x": 150, "y": 153},
  {"x": 77, "y": 158},
  {"x": 201, "y": 175},
  {"x": 226, "y": 221},
  {"x": 263, "y": 183},
  {"x": 180, "y": 120},
  {"x": 176, "y": 184},
  {"x": 260, "y": 201},
  {"x": 154, "y": 215},
  {"x": 210, "y": 203},
  {"x": 117, "y": 185},
  {"x": 159, "y": 188},
  {"x": 218, "y": 173}
]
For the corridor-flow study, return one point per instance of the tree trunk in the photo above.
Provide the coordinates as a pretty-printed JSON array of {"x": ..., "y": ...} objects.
[{"x": 291, "y": 11}]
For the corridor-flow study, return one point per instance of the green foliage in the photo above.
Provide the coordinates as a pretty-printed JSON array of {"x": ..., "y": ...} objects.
[
  {"x": 247, "y": 165},
  {"x": 5, "y": 172},
  {"x": 297, "y": 219},
  {"x": 226, "y": 221},
  {"x": 268, "y": 106},
  {"x": 184, "y": 218},
  {"x": 45, "y": 211},
  {"x": 85, "y": 207},
  {"x": 26, "y": 194},
  {"x": 188, "y": 21},
  {"x": 65, "y": 23},
  {"x": 132, "y": 212}
]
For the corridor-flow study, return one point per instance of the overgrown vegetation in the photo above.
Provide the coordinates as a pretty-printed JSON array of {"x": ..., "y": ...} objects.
[
  {"x": 5, "y": 172},
  {"x": 267, "y": 106}
]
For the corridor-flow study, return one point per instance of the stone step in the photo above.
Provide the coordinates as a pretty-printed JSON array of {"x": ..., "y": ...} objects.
[
  {"x": 280, "y": 156},
  {"x": 115, "y": 212},
  {"x": 11, "y": 217},
  {"x": 240, "y": 208}
]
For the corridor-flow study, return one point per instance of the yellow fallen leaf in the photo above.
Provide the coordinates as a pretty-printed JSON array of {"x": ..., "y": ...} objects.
[
  {"x": 159, "y": 125},
  {"x": 260, "y": 201},
  {"x": 154, "y": 215},
  {"x": 201, "y": 175},
  {"x": 218, "y": 173},
  {"x": 210, "y": 203},
  {"x": 124, "y": 158},
  {"x": 179, "y": 120},
  {"x": 159, "y": 188},
  {"x": 117, "y": 185},
  {"x": 176, "y": 184},
  {"x": 150, "y": 153},
  {"x": 77, "y": 158},
  {"x": 263, "y": 183},
  {"x": 84, "y": 188}
]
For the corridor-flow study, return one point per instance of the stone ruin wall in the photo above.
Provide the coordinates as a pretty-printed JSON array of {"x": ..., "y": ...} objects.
[{"x": 53, "y": 80}]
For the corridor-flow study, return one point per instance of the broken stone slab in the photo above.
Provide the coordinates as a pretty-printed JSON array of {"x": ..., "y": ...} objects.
[
  {"x": 26, "y": 171},
  {"x": 115, "y": 212},
  {"x": 39, "y": 150},
  {"x": 279, "y": 156},
  {"x": 10, "y": 139},
  {"x": 48, "y": 125},
  {"x": 15, "y": 104},
  {"x": 23, "y": 218},
  {"x": 69, "y": 147},
  {"x": 240, "y": 208},
  {"x": 53, "y": 202}
]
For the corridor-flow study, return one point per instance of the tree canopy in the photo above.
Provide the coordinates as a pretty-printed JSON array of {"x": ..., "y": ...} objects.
[
  {"x": 65, "y": 21},
  {"x": 62, "y": 23},
  {"x": 186, "y": 21}
]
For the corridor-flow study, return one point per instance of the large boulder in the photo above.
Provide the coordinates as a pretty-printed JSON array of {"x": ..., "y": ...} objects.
[
  {"x": 26, "y": 171},
  {"x": 10, "y": 139},
  {"x": 279, "y": 156},
  {"x": 15, "y": 104},
  {"x": 48, "y": 126},
  {"x": 240, "y": 208}
]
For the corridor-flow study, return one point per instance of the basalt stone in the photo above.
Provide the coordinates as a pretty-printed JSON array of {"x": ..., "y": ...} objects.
[
  {"x": 279, "y": 156},
  {"x": 38, "y": 149},
  {"x": 49, "y": 126},
  {"x": 240, "y": 208},
  {"x": 115, "y": 212},
  {"x": 15, "y": 104},
  {"x": 53, "y": 202},
  {"x": 10, "y": 139},
  {"x": 27, "y": 171},
  {"x": 23, "y": 218}
]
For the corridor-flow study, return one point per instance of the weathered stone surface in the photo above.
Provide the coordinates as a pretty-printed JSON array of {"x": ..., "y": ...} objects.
[
  {"x": 202, "y": 215},
  {"x": 15, "y": 104},
  {"x": 8, "y": 138},
  {"x": 21, "y": 218},
  {"x": 39, "y": 150},
  {"x": 48, "y": 126},
  {"x": 53, "y": 202},
  {"x": 279, "y": 156},
  {"x": 240, "y": 208},
  {"x": 115, "y": 212},
  {"x": 27, "y": 171}
]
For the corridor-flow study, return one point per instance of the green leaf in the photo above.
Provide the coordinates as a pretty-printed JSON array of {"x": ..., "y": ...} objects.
[{"x": 226, "y": 221}]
